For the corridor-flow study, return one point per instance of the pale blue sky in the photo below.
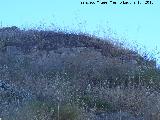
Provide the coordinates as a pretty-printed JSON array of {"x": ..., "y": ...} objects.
[{"x": 126, "y": 22}]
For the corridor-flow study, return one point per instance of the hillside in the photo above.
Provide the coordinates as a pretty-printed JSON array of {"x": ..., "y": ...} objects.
[{"x": 66, "y": 76}]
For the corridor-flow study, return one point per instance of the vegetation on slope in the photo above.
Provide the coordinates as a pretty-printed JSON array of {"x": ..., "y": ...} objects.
[{"x": 64, "y": 76}]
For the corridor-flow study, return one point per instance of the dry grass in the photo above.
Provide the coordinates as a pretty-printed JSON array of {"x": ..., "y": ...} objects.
[{"x": 81, "y": 74}]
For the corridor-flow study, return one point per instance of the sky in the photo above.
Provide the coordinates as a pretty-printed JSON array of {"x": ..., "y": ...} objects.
[{"x": 134, "y": 24}]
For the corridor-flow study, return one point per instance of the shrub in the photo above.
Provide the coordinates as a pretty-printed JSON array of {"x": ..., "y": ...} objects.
[
  {"x": 38, "y": 110},
  {"x": 68, "y": 112}
]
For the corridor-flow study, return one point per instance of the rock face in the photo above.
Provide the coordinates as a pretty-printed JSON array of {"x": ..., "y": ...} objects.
[
  {"x": 4, "y": 86},
  {"x": 10, "y": 93},
  {"x": 13, "y": 50}
]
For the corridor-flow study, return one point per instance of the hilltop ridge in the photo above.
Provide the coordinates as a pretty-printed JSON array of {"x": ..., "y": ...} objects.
[{"x": 50, "y": 40}]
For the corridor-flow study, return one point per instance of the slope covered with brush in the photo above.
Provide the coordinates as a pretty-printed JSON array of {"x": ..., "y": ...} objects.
[{"x": 56, "y": 75}]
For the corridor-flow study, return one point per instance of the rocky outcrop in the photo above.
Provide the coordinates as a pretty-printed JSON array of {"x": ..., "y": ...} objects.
[{"x": 11, "y": 93}]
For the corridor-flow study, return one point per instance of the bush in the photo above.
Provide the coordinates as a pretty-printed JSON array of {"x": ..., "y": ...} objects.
[{"x": 38, "y": 110}]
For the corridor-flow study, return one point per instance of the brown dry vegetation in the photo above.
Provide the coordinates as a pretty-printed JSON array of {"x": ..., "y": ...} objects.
[{"x": 47, "y": 75}]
